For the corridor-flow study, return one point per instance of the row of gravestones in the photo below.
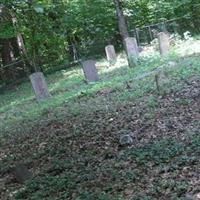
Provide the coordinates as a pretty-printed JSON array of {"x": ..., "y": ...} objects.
[{"x": 89, "y": 66}]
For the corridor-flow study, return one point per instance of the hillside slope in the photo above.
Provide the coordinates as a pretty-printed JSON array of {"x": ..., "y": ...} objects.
[{"x": 71, "y": 143}]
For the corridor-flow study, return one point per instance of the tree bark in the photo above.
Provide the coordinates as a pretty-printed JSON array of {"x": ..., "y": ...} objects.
[
  {"x": 7, "y": 58},
  {"x": 123, "y": 28},
  {"x": 122, "y": 24},
  {"x": 12, "y": 48},
  {"x": 6, "y": 52}
]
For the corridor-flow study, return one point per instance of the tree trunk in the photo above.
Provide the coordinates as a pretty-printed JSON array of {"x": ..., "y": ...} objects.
[
  {"x": 12, "y": 48},
  {"x": 123, "y": 29},
  {"x": 21, "y": 46},
  {"x": 70, "y": 49},
  {"x": 195, "y": 17},
  {"x": 6, "y": 52},
  {"x": 7, "y": 58}
]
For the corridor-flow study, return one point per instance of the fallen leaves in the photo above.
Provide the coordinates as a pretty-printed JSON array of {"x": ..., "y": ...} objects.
[{"x": 80, "y": 156}]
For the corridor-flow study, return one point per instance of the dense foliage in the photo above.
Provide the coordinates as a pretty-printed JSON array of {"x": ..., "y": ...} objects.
[{"x": 58, "y": 32}]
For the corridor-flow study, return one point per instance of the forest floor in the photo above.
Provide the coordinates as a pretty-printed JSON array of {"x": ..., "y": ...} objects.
[{"x": 71, "y": 145}]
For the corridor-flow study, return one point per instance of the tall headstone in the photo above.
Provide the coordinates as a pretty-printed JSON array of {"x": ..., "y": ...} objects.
[
  {"x": 110, "y": 54},
  {"x": 132, "y": 51},
  {"x": 39, "y": 86},
  {"x": 90, "y": 71},
  {"x": 164, "y": 43}
]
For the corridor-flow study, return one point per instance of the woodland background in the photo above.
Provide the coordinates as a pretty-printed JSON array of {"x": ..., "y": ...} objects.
[{"x": 49, "y": 35}]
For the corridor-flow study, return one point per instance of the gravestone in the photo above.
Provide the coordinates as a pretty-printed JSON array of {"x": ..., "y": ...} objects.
[
  {"x": 164, "y": 43},
  {"x": 39, "y": 86},
  {"x": 161, "y": 79},
  {"x": 110, "y": 54},
  {"x": 126, "y": 140},
  {"x": 90, "y": 71},
  {"x": 21, "y": 173},
  {"x": 132, "y": 51}
]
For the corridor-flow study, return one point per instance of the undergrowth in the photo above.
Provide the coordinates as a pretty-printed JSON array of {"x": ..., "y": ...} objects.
[{"x": 71, "y": 141}]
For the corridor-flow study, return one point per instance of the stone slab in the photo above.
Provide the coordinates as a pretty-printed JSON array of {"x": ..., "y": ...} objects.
[
  {"x": 164, "y": 43},
  {"x": 39, "y": 86},
  {"x": 132, "y": 50},
  {"x": 110, "y": 53},
  {"x": 90, "y": 71}
]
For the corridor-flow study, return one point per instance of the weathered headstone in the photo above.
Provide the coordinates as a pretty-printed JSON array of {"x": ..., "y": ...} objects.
[
  {"x": 21, "y": 173},
  {"x": 164, "y": 43},
  {"x": 90, "y": 71},
  {"x": 132, "y": 51},
  {"x": 126, "y": 140},
  {"x": 39, "y": 86},
  {"x": 110, "y": 54},
  {"x": 161, "y": 79}
]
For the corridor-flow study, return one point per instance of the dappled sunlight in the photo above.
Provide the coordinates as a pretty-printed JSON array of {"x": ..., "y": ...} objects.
[
  {"x": 149, "y": 51},
  {"x": 120, "y": 63},
  {"x": 71, "y": 73},
  {"x": 188, "y": 47},
  {"x": 68, "y": 79},
  {"x": 148, "y": 54},
  {"x": 102, "y": 64},
  {"x": 99, "y": 100},
  {"x": 69, "y": 84},
  {"x": 88, "y": 118}
]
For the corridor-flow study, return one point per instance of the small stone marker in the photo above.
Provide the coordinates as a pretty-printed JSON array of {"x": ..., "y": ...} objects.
[
  {"x": 90, "y": 71},
  {"x": 132, "y": 50},
  {"x": 164, "y": 43},
  {"x": 21, "y": 173},
  {"x": 110, "y": 54},
  {"x": 171, "y": 64},
  {"x": 125, "y": 140},
  {"x": 39, "y": 86},
  {"x": 161, "y": 79}
]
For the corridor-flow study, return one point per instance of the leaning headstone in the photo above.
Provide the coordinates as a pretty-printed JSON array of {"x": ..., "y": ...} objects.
[
  {"x": 90, "y": 71},
  {"x": 39, "y": 86},
  {"x": 110, "y": 54},
  {"x": 132, "y": 51},
  {"x": 164, "y": 43},
  {"x": 21, "y": 173}
]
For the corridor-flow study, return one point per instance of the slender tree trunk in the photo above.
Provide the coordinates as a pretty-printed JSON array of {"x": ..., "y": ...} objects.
[
  {"x": 123, "y": 29},
  {"x": 12, "y": 49},
  {"x": 195, "y": 17},
  {"x": 6, "y": 52},
  {"x": 72, "y": 49},
  {"x": 21, "y": 46},
  {"x": 7, "y": 58}
]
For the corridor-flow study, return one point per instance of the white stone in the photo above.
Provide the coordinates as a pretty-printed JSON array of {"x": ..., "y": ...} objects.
[
  {"x": 110, "y": 53},
  {"x": 164, "y": 43}
]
